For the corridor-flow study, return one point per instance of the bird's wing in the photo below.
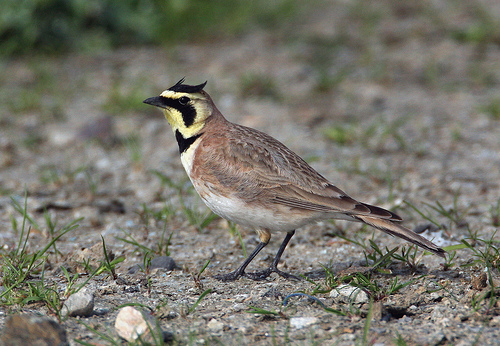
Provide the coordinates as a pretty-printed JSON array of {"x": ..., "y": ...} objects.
[{"x": 258, "y": 167}]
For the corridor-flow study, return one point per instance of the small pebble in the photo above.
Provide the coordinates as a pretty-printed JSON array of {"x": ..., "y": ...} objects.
[
  {"x": 495, "y": 321},
  {"x": 479, "y": 282},
  {"x": 435, "y": 296},
  {"x": 352, "y": 293},
  {"x": 302, "y": 322},
  {"x": 215, "y": 326},
  {"x": 80, "y": 303},
  {"x": 239, "y": 307},
  {"x": 163, "y": 262},
  {"x": 378, "y": 311},
  {"x": 131, "y": 323}
]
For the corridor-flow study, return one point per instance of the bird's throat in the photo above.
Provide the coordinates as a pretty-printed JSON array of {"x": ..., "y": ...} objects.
[{"x": 185, "y": 143}]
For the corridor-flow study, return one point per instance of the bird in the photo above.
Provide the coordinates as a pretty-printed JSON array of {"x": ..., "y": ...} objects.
[{"x": 250, "y": 178}]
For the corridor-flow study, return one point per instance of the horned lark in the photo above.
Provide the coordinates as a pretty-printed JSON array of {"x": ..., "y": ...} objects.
[{"x": 250, "y": 178}]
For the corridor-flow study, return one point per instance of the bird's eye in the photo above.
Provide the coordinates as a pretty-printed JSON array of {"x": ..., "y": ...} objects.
[{"x": 184, "y": 100}]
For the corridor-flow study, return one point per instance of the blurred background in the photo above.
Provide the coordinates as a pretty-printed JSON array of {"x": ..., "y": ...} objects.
[
  {"x": 380, "y": 77},
  {"x": 396, "y": 102},
  {"x": 62, "y": 26}
]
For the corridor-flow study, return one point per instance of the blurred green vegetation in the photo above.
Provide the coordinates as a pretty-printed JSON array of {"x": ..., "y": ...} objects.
[
  {"x": 259, "y": 85},
  {"x": 49, "y": 26}
]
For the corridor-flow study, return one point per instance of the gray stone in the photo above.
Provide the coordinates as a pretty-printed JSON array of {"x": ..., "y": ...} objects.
[
  {"x": 162, "y": 262},
  {"x": 80, "y": 303}
]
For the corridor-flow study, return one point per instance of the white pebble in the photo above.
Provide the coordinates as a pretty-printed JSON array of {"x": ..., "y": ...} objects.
[
  {"x": 352, "y": 293},
  {"x": 215, "y": 326},
  {"x": 131, "y": 323},
  {"x": 302, "y": 322}
]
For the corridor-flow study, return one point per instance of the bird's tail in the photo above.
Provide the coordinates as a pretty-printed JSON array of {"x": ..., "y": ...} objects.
[{"x": 397, "y": 230}]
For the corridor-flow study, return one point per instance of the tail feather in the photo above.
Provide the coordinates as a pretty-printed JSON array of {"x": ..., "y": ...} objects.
[{"x": 397, "y": 230}]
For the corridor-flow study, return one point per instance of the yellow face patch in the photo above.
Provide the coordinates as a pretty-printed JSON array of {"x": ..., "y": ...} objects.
[{"x": 186, "y": 112}]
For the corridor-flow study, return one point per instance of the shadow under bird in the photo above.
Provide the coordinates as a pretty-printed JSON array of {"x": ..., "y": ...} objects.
[{"x": 252, "y": 179}]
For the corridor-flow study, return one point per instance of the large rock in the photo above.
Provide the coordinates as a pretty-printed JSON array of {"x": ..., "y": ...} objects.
[{"x": 37, "y": 330}]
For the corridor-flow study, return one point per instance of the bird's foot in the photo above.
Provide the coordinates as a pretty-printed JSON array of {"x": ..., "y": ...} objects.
[
  {"x": 232, "y": 276},
  {"x": 262, "y": 275},
  {"x": 257, "y": 276}
]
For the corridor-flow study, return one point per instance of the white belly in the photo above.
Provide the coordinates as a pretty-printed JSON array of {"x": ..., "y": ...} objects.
[{"x": 280, "y": 218}]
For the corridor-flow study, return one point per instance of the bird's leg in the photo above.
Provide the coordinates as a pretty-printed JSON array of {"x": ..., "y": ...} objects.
[
  {"x": 273, "y": 268},
  {"x": 234, "y": 275}
]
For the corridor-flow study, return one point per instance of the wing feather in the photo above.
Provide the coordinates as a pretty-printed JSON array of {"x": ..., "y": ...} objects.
[
  {"x": 249, "y": 165},
  {"x": 260, "y": 168}
]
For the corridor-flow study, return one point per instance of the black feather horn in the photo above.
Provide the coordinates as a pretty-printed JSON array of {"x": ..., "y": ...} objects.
[{"x": 184, "y": 88}]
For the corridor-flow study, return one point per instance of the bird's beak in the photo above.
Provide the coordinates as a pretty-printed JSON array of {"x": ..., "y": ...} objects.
[{"x": 157, "y": 101}]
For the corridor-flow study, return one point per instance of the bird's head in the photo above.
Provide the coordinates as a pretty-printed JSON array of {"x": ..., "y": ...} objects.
[{"x": 186, "y": 107}]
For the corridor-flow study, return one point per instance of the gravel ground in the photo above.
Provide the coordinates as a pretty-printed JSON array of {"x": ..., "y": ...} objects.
[{"x": 395, "y": 110}]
